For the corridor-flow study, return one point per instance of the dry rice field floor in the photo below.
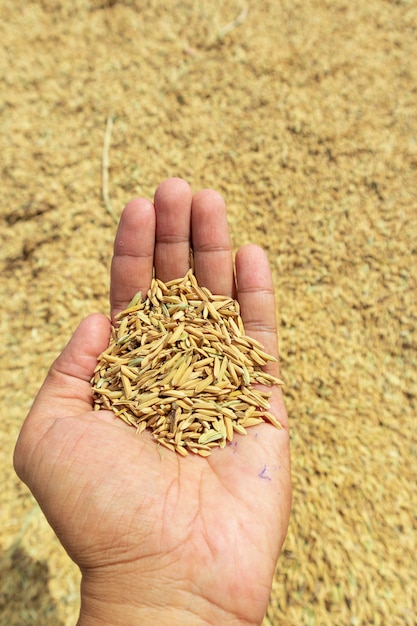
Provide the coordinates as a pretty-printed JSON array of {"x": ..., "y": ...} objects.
[{"x": 303, "y": 114}]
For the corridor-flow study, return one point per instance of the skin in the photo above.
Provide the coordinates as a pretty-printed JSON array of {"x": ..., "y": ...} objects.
[{"x": 162, "y": 539}]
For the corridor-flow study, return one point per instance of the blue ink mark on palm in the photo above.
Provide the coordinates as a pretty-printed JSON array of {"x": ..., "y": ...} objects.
[{"x": 262, "y": 474}]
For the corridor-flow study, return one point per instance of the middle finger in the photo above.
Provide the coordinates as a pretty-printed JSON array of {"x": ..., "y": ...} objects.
[{"x": 172, "y": 203}]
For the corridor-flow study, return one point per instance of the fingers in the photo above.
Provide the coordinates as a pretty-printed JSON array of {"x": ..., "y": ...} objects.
[
  {"x": 213, "y": 260},
  {"x": 199, "y": 222},
  {"x": 151, "y": 235},
  {"x": 162, "y": 235},
  {"x": 132, "y": 263},
  {"x": 255, "y": 292},
  {"x": 172, "y": 201}
]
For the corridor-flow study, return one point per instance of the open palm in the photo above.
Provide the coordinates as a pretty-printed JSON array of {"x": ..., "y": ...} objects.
[{"x": 170, "y": 539}]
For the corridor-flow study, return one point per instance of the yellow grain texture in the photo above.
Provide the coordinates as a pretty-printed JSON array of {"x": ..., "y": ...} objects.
[{"x": 304, "y": 117}]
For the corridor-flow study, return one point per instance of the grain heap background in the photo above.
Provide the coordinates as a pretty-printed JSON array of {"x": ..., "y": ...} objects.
[{"x": 304, "y": 115}]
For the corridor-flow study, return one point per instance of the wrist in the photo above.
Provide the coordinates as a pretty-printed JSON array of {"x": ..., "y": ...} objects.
[
  {"x": 104, "y": 613},
  {"x": 109, "y": 601}
]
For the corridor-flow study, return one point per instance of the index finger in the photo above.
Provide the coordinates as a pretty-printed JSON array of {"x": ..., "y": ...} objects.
[
  {"x": 256, "y": 296},
  {"x": 132, "y": 262}
]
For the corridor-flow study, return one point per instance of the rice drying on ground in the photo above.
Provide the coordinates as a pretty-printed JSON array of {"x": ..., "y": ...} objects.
[{"x": 303, "y": 116}]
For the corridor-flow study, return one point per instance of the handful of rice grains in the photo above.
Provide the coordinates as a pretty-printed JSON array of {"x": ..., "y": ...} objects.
[{"x": 180, "y": 364}]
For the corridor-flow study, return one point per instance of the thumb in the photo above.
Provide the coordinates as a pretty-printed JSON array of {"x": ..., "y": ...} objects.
[{"x": 67, "y": 389}]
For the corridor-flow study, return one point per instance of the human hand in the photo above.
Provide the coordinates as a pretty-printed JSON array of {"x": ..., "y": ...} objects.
[{"x": 162, "y": 539}]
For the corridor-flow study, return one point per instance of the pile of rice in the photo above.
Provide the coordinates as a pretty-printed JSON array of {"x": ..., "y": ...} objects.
[{"x": 180, "y": 364}]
